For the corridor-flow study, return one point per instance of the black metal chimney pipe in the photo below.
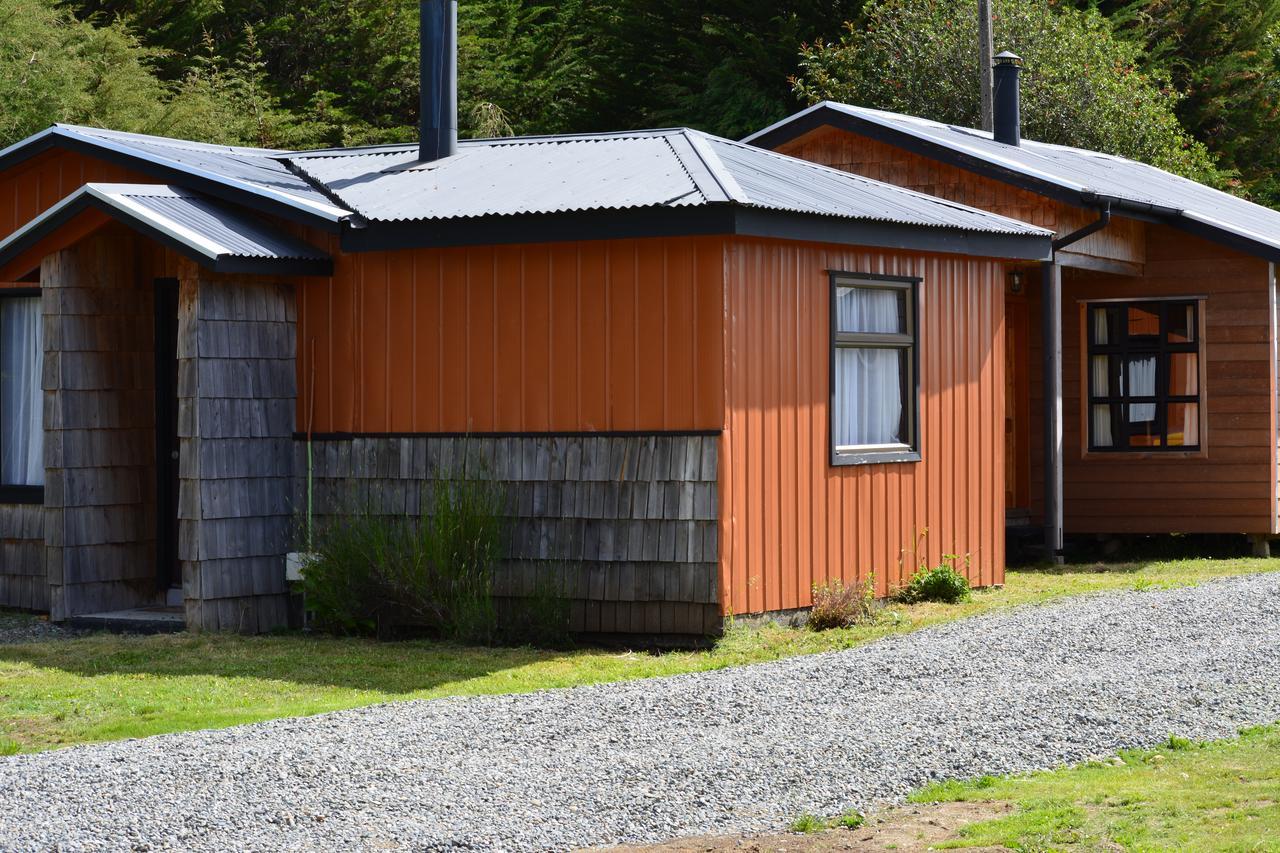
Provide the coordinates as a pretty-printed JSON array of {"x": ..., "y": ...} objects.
[
  {"x": 438, "y": 60},
  {"x": 1006, "y": 102}
]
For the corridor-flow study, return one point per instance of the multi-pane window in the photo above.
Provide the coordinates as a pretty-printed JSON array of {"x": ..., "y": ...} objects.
[
  {"x": 873, "y": 369},
  {"x": 1143, "y": 375},
  {"x": 21, "y": 403}
]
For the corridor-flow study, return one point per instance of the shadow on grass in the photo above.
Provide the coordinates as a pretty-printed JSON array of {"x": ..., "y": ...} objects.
[{"x": 395, "y": 669}]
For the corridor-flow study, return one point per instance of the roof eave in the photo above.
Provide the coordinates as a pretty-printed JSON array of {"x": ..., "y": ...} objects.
[
  {"x": 827, "y": 115},
  {"x": 88, "y": 197},
  {"x": 705, "y": 220},
  {"x": 268, "y": 201}
]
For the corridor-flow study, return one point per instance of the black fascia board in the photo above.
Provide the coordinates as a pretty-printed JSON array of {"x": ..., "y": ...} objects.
[
  {"x": 1226, "y": 238},
  {"x": 540, "y": 228},
  {"x": 719, "y": 219},
  {"x": 891, "y": 235},
  {"x": 171, "y": 174}
]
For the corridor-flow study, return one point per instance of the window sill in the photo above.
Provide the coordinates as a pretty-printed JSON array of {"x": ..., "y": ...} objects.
[
  {"x": 1142, "y": 455},
  {"x": 874, "y": 457},
  {"x": 21, "y": 494}
]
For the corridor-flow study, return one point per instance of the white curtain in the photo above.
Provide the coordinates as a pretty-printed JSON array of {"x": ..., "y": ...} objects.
[
  {"x": 868, "y": 392},
  {"x": 1102, "y": 427},
  {"x": 1100, "y": 326},
  {"x": 1142, "y": 383},
  {"x": 21, "y": 400}
]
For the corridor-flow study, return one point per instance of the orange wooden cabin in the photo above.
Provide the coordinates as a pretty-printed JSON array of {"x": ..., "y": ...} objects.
[
  {"x": 1153, "y": 328},
  {"x": 639, "y": 339}
]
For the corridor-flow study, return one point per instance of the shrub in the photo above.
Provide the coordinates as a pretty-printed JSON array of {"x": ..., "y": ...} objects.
[
  {"x": 838, "y": 606},
  {"x": 941, "y": 583},
  {"x": 373, "y": 572}
]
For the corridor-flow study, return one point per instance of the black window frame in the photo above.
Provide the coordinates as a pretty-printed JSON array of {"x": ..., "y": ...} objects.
[
  {"x": 1124, "y": 349},
  {"x": 909, "y": 451},
  {"x": 12, "y": 493}
]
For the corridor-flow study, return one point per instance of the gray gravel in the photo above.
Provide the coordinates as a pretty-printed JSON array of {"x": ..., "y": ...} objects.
[{"x": 740, "y": 749}]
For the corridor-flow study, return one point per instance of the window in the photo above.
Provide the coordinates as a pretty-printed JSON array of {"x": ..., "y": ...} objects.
[
  {"x": 21, "y": 398},
  {"x": 873, "y": 369},
  {"x": 1143, "y": 374}
]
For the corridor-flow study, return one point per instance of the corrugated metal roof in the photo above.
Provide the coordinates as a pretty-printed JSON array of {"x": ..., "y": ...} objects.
[
  {"x": 777, "y": 182},
  {"x": 257, "y": 171},
  {"x": 224, "y": 231},
  {"x": 209, "y": 231},
  {"x": 642, "y": 169},
  {"x": 1087, "y": 175}
]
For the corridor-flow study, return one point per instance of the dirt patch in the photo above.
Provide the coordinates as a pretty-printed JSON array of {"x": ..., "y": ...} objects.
[{"x": 906, "y": 829}]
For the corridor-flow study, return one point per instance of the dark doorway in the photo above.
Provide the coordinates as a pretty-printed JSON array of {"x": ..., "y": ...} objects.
[{"x": 168, "y": 574}]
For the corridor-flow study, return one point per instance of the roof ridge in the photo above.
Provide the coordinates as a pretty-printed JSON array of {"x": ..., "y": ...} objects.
[{"x": 720, "y": 173}]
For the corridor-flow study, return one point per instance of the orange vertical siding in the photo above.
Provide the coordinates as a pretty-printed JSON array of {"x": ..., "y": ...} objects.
[
  {"x": 592, "y": 336},
  {"x": 32, "y": 187},
  {"x": 788, "y": 518}
]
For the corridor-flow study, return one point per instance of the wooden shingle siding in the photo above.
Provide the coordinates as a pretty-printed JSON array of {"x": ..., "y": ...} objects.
[
  {"x": 236, "y": 398},
  {"x": 626, "y": 526},
  {"x": 24, "y": 582},
  {"x": 99, "y": 418}
]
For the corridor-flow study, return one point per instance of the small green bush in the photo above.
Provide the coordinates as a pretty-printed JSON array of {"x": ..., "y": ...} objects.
[
  {"x": 838, "y": 606},
  {"x": 851, "y": 820},
  {"x": 807, "y": 823},
  {"x": 1177, "y": 742},
  {"x": 943, "y": 583}
]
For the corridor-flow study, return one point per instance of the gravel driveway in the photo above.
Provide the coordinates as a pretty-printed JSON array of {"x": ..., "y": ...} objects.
[{"x": 738, "y": 749}]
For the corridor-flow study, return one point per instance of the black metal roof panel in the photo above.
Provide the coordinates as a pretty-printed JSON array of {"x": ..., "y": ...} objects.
[
  {"x": 677, "y": 168},
  {"x": 1075, "y": 174},
  {"x": 210, "y": 232}
]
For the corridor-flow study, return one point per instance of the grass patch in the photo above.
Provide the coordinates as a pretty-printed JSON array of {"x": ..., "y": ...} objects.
[
  {"x": 1181, "y": 796},
  {"x": 104, "y": 687}
]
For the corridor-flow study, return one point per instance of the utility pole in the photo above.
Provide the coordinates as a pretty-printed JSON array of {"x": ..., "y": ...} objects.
[{"x": 986, "y": 54}]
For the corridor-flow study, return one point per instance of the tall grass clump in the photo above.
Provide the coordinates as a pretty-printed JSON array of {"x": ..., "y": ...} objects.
[
  {"x": 432, "y": 572},
  {"x": 838, "y": 606}
]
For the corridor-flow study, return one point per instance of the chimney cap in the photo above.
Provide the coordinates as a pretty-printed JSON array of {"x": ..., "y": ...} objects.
[{"x": 1008, "y": 57}]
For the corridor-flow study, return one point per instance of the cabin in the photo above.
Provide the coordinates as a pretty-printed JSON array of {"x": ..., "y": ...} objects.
[
  {"x": 709, "y": 376},
  {"x": 1141, "y": 359}
]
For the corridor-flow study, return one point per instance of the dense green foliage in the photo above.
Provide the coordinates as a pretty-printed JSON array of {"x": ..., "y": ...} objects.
[
  {"x": 1225, "y": 59},
  {"x": 1191, "y": 86},
  {"x": 435, "y": 571},
  {"x": 1082, "y": 85}
]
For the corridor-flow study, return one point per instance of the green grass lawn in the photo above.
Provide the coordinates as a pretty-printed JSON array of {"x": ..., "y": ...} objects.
[
  {"x": 1218, "y": 796},
  {"x": 102, "y": 687}
]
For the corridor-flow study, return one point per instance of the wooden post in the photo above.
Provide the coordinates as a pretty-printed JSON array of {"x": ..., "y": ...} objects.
[
  {"x": 1051, "y": 336},
  {"x": 986, "y": 57}
]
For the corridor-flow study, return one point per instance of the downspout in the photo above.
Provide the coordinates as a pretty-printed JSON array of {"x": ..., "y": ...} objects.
[{"x": 1051, "y": 335}]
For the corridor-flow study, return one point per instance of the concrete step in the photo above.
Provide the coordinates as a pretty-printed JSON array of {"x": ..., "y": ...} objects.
[{"x": 138, "y": 620}]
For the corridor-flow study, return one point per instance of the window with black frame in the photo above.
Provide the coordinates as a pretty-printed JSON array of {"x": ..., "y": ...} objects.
[
  {"x": 873, "y": 369},
  {"x": 1143, "y": 374},
  {"x": 21, "y": 397}
]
